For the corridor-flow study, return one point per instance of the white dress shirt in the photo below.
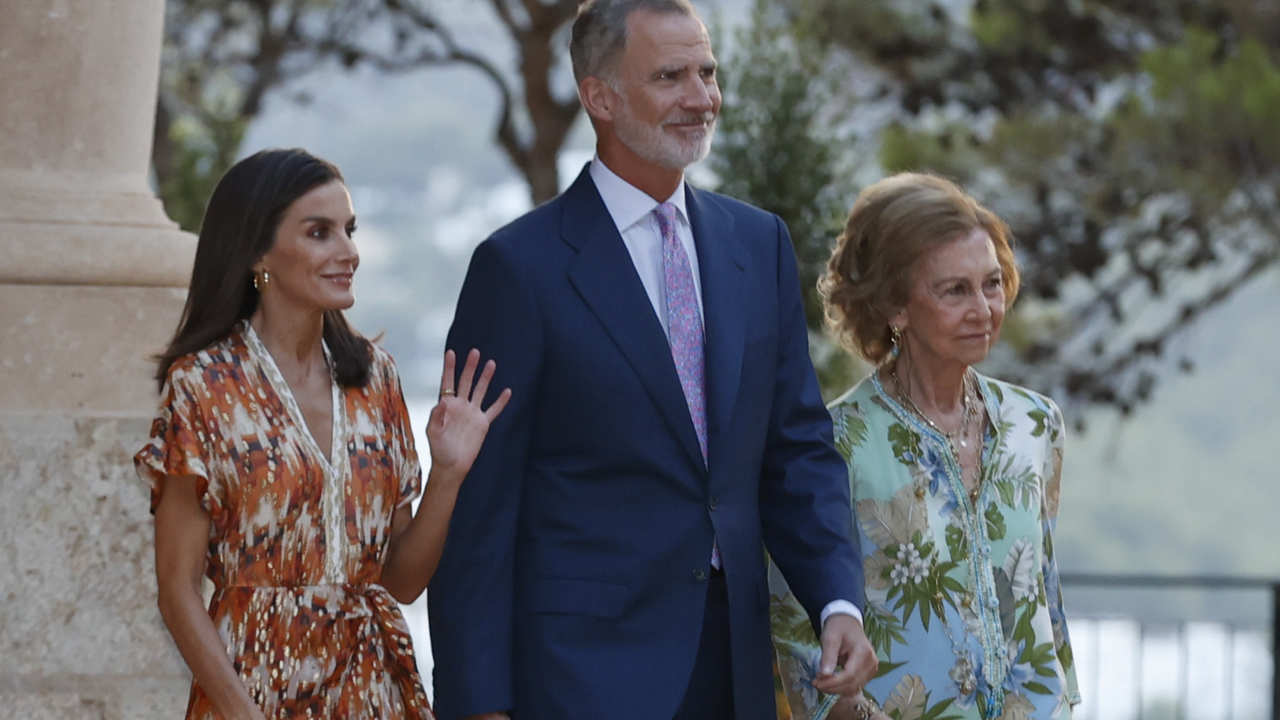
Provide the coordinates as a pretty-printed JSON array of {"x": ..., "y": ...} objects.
[{"x": 632, "y": 212}]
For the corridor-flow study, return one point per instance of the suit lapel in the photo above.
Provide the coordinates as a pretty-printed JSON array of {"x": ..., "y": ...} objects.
[
  {"x": 721, "y": 268},
  {"x": 608, "y": 283}
]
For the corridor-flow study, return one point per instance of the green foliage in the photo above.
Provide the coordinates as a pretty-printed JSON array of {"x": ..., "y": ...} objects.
[
  {"x": 1130, "y": 146},
  {"x": 202, "y": 153},
  {"x": 776, "y": 149},
  {"x": 782, "y": 161}
]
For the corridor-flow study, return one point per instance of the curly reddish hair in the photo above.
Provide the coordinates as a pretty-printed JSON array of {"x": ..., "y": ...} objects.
[{"x": 892, "y": 224}]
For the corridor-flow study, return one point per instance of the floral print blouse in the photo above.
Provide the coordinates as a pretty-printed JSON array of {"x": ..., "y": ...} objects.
[
  {"x": 297, "y": 539},
  {"x": 963, "y": 602}
]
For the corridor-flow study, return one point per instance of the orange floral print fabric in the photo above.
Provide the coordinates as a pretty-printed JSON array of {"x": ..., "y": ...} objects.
[{"x": 297, "y": 539}]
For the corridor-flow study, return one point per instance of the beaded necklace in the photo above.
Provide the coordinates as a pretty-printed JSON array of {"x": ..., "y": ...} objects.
[{"x": 958, "y": 439}]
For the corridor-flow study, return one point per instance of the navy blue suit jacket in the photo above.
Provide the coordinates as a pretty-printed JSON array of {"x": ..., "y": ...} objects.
[{"x": 574, "y": 577}]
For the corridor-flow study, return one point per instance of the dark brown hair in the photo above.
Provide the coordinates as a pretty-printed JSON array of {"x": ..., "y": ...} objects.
[
  {"x": 239, "y": 227},
  {"x": 892, "y": 223}
]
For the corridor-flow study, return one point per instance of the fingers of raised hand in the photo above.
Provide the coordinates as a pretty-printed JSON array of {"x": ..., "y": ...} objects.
[
  {"x": 472, "y": 389},
  {"x": 447, "y": 374},
  {"x": 482, "y": 385},
  {"x": 468, "y": 374},
  {"x": 496, "y": 408}
]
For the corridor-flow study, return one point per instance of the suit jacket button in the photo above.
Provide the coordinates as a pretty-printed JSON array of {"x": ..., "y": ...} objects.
[
  {"x": 713, "y": 502},
  {"x": 700, "y": 575}
]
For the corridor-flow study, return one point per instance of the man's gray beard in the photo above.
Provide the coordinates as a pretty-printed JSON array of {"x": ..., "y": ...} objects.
[{"x": 659, "y": 148}]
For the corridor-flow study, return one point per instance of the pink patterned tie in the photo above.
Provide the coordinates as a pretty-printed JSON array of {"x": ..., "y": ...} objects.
[
  {"x": 684, "y": 321},
  {"x": 684, "y": 330}
]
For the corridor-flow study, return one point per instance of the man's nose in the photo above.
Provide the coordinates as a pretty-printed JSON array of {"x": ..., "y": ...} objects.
[{"x": 700, "y": 95}]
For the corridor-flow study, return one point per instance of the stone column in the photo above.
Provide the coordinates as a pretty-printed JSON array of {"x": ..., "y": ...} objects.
[{"x": 92, "y": 278}]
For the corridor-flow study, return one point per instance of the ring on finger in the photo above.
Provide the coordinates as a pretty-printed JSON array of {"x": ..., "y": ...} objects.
[{"x": 447, "y": 392}]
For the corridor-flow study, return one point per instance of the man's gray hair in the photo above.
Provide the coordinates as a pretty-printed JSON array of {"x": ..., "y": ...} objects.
[{"x": 600, "y": 32}]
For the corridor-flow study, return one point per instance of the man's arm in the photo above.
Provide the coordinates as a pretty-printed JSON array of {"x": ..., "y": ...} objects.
[
  {"x": 804, "y": 488},
  {"x": 804, "y": 499},
  {"x": 470, "y": 597}
]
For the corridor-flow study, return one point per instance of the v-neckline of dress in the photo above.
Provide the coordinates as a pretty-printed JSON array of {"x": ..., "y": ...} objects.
[
  {"x": 333, "y": 468},
  {"x": 991, "y": 437},
  {"x": 284, "y": 391}
]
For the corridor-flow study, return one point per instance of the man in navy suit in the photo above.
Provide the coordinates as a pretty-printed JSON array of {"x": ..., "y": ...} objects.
[{"x": 606, "y": 555}]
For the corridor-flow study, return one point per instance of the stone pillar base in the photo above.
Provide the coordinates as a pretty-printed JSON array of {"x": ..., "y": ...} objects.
[
  {"x": 98, "y": 697},
  {"x": 80, "y": 633}
]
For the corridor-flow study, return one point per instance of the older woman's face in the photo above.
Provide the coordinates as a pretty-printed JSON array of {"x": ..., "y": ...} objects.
[{"x": 955, "y": 302}]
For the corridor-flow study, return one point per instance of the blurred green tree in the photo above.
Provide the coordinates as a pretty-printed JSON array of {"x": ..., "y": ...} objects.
[
  {"x": 222, "y": 58},
  {"x": 1129, "y": 145},
  {"x": 776, "y": 149}
]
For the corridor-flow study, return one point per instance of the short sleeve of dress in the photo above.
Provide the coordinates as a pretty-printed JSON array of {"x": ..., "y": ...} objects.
[
  {"x": 179, "y": 442},
  {"x": 402, "y": 447}
]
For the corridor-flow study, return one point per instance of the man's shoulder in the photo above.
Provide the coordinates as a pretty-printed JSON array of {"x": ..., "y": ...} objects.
[
  {"x": 740, "y": 210},
  {"x": 529, "y": 236},
  {"x": 540, "y": 221}
]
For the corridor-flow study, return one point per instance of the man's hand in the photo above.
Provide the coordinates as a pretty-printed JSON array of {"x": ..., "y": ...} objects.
[{"x": 845, "y": 645}]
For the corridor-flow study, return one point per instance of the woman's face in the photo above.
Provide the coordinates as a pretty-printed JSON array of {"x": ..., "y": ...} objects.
[
  {"x": 313, "y": 258},
  {"x": 955, "y": 301}
]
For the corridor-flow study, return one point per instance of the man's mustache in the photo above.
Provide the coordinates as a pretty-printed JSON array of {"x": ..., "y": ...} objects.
[{"x": 707, "y": 117}]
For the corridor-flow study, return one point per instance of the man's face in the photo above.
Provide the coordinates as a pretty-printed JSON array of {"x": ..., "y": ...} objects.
[{"x": 666, "y": 82}]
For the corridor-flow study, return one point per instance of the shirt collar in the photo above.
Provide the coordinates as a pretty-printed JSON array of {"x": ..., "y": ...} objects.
[{"x": 626, "y": 203}]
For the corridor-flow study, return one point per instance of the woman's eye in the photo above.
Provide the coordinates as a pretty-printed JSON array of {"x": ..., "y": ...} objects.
[
  {"x": 319, "y": 232},
  {"x": 351, "y": 231}
]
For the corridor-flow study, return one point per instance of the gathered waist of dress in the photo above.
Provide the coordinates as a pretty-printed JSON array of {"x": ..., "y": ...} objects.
[{"x": 347, "y": 600}]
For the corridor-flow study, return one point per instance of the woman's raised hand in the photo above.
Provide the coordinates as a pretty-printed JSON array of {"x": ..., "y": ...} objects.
[{"x": 458, "y": 424}]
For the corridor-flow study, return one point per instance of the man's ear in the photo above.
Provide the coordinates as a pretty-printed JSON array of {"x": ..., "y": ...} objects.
[{"x": 597, "y": 98}]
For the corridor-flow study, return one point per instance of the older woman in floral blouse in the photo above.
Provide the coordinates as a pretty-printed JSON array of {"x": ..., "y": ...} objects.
[{"x": 954, "y": 475}]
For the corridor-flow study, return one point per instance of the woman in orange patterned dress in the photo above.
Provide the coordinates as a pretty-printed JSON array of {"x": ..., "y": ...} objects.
[{"x": 282, "y": 464}]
